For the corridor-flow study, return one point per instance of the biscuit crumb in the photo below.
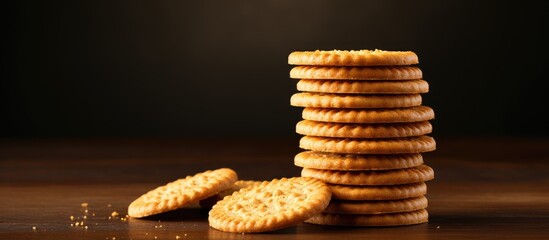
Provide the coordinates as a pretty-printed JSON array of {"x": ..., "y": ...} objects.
[
  {"x": 33, "y": 228},
  {"x": 438, "y": 227},
  {"x": 76, "y": 224},
  {"x": 109, "y": 205},
  {"x": 177, "y": 237},
  {"x": 85, "y": 217},
  {"x": 84, "y": 204},
  {"x": 86, "y": 211},
  {"x": 114, "y": 214},
  {"x": 72, "y": 218},
  {"x": 85, "y": 227}
]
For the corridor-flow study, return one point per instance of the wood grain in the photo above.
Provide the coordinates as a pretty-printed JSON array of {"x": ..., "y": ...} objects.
[{"x": 484, "y": 188}]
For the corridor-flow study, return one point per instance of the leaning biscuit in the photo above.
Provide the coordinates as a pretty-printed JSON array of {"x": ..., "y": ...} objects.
[
  {"x": 346, "y": 130},
  {"x": 357, "y": 73},
  {"x": 182, "y": 192},
  {"x": 386, "y": 177},
  {"x": 363, "y": 87},
  {"x": 353, "y": 58},
  {"x": 390, "y": 192},
  {"x": 270, "y": 206},
  {"x": 356, "y": 162},
  {"x": 371, "y": 220},
  {"x": 240, "y": 184},
  {"x": 322, "y": 100},
  {"x": 376, "y": 207},
  {"x": 368, "y": 146},
  {"x": 388, "y": 115}
]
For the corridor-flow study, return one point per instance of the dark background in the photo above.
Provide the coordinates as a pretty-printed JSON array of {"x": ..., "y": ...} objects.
[{"x": 219, "y": 68}]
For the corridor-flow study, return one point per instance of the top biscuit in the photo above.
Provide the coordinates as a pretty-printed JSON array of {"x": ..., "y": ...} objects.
[{"x": 353, "y": 58}]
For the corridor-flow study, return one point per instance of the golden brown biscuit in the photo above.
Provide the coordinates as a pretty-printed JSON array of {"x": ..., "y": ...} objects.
[
  {"x": 357, "y": 73},
  {"x": 355, "y": 162},
  {"x": 240, "y": 184},
  {"x": 389, "y": 192},
  {"x": 368, "y": 146},
  {"x": 353, "y": 58},
  {"x": 270, "y": 206},
  {"x": 363, "y": 87},
  {"x": 376, "y": 207},
  {"x": 387, "y": 115},
  {"x": 323, "y": 100},
  {"x": 182, "y": 192},
  {"x": 371, "y": 220},
  {"x": 386, "y": 177},
  {"x": 348, "y": 130}
]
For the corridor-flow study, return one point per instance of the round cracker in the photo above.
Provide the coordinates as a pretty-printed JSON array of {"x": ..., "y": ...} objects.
[
  {"x": 385, "y": 115},
  {"x": 357, "y": 73},
  {"x": 321, "y": 100},
  {"x": 386, "y": 177},
  {"x": 271, "y": 205},
  {"x": 368, "y": 146},
  {"x": 347, "y": 130},
  {"x": 376, "y": 207},
  {"x": 182, "y": 192},
  {"x": 356, "y": 162},
  {"x": 391, "y": 192},
  {"x": 363, "y": 87},
  {"x": 371, "y": 220},
  {"x": 353, "y": 58},
  {"x": 240, "y": 184}
]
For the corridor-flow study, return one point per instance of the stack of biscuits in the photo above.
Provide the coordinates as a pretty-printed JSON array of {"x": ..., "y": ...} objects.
[{"x": 364, "y": 130}]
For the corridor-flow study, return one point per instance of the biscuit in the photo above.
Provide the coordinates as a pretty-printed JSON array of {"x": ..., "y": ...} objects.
[
  {"x": 363, "y": 87},
  {"x": 354, "y": 162},
  {"x": 240, "y": 184},
  {"x": 386, "y": 177},
  {"x": 357, "y": 73},
  {"x": 182, "y": 192},
  {"x": 368, "y": 146},
  {"x": 353, "y": 58},
  {"x": 412, "y": 114},
  {"x": 270, "y": 206},
  {"x": 390, "y": 192},
  {"x": 371, "y": 220},
  {"x": 348, "y": 130},
  {"x": 323, "y": 100},
  {"x": 376, "y": 207}
]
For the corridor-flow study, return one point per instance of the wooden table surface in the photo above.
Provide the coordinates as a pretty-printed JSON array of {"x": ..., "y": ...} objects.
[{"x": 484, "y": 188}]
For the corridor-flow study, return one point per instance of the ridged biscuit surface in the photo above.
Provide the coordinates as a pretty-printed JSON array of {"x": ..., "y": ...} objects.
[
  {"x": 240, "y": 184},
  {"x": 376, "y": 207},
  {"x": 324, "y": 100},
  {"x": 356, "y": 73},
  {"x": 347, "y": 130},
  {"x": 371, "y": 220},
  {"x": 387, "y": 177},
  {"x": 368, "y": 146},
  {"x": 182, "y": 192},
  {"x": 270, "y": 206},
  {"x": 363, "y": 87},
  {"x": 389, "y": 192},
  {"x": 356, "y": 162},
  {"x": 388, "y": 115},
  {"x": 353, "y": 58}
]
